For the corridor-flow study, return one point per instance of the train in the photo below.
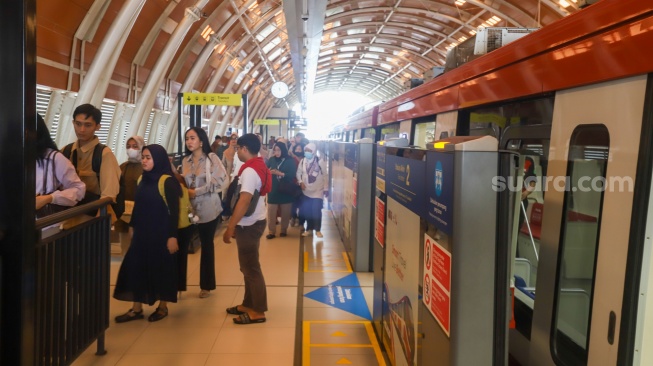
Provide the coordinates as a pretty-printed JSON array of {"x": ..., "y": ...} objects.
[{"x": 572, "y": 105}]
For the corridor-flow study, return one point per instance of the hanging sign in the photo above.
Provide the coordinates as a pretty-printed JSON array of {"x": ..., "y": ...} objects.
[{"x": 235, "y": 100}]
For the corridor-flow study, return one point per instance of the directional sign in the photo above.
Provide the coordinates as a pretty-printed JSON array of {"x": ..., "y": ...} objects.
[
  {"x": 344, "y": 294},
  {"x": 213, "y": 99},
  {"x": 267, "y": 122}
]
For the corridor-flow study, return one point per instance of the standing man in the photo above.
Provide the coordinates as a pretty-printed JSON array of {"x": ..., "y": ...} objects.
[
  {"x": 216, "y": 144},
  {"x": 254, "y": 177},
  {"x": 224, "y": 145},
  {"x": 95, "y": 164}
]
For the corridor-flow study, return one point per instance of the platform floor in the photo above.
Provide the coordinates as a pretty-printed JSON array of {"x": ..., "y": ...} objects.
[{"x": 319, "y": 312}]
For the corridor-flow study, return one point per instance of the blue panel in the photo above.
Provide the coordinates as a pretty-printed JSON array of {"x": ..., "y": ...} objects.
[
  {"x": 344, "y": 294},
  {"x": 439, "y": 182},
  {"x": 405, "y": 182}
]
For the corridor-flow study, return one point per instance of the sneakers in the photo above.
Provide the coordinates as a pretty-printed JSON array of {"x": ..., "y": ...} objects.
[
  {"x": 307, "y": 233},
  {"x": 295, "y": 222},
  {"x": 270, "y": 236},
  {"x": 319, "y": 234}
]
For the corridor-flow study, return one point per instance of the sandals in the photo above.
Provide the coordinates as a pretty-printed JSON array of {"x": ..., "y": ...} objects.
[
  {"x": 129, "y": 316},
  {"x": 204, "y": 294},
  {"x": 245, "y": 319},
  {"x": 158, "y": 315},
  {"x": 234, "y": 311}
]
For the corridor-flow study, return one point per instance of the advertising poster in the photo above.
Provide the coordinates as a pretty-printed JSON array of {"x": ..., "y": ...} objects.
[
  {"x": 439, "y": 183},
  {"x": 380, "y": 168},
  {"x": 379, "y": 222},
  {"x": 405, "y": 181},
  {"x": 400, "y": 292},
  {"x": 437, "y": 282}
]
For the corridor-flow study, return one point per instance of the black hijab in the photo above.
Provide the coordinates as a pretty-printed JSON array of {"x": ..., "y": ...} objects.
[{"x": 161, "y": 164}]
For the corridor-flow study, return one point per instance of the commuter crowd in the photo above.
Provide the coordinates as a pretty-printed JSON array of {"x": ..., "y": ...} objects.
[{"x": 157, "y": 208}]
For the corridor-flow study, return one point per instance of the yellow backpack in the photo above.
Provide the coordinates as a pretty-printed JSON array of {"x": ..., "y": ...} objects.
[{"x": 184, "y": 201}]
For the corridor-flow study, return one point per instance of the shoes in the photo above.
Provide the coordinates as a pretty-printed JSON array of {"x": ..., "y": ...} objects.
[
  {"x": 307, "y": 233},
  {"x": 270, "y": 236},
  {"x": 319, "y": 234},
  {"x": 158, "y": 315},
  {"x": 204, "y": 294},
  {"x": 234, "y": 311},
  {"x": 283, "y": 235},
  {"x": 294, "y": 222},
  {"x": 245, "y": 319},
  {"x": 129, "y": 316}
]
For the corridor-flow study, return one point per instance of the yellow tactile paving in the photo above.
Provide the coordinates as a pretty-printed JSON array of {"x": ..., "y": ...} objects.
[
  {"x": 333, "y": 352},
  {"x": 327, "y": 265}
]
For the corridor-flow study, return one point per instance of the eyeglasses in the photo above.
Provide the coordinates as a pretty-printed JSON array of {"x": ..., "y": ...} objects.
[{"x": 234, "y": 138}]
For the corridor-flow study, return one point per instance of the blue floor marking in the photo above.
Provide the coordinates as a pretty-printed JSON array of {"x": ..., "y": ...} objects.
[{"x": 344, "y": 294}]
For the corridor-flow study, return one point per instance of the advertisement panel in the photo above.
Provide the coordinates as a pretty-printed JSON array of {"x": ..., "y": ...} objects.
[
  {"x": 439, "y": 183},
  {"x": 400, "y": 292},
  {"x": 405, "y": 180},
  {"x": 437, "y": 282},
  {"x": 379, "y": 222}
]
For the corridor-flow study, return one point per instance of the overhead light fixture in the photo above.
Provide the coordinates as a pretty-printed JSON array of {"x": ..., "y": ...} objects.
[
  {"x": 564, "y": 3},
  {"x": 304, "y": 51}
]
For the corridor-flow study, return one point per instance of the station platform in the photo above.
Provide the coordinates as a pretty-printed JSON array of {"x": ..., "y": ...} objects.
[{"x": 319, "y": 312}]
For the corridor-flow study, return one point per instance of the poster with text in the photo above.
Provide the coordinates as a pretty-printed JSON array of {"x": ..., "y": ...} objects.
[
  {"x": 437, "y": 282},
  {"x": 400, "y": 293}
]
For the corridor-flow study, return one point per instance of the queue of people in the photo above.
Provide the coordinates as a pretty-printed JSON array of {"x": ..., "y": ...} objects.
[{"x": 284, "y": 179}]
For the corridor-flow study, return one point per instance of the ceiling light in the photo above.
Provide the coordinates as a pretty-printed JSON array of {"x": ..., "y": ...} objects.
[
  {"x": 460, "y": 2},
  {"x": 563, "y": 3}
]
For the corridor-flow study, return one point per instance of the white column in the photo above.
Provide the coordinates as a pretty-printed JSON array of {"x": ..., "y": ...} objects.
[
  {"x": 187, "y": 86},
  {"x": 148, "y": 94},
  {"x": 107, "y": 55}
]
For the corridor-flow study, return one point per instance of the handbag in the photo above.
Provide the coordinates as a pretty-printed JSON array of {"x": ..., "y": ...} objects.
[
  {"x": 290, "y": 188},
  {"x": 50, "y": 208}
]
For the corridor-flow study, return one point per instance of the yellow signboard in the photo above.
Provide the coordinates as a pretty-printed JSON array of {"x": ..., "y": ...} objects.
[
  {"x": 213, "y": 99},
  {"x": 267, "y": 122}
]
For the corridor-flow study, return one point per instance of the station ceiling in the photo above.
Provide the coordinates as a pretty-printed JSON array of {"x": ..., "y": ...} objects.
[{"x": 371, "y": 47}]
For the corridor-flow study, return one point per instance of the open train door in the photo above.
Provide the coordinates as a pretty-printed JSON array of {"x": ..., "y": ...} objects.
[{"x": 586, "y": 225}]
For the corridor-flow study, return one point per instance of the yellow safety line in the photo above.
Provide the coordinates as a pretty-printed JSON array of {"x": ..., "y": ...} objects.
[
  {"x": 306, "y": 357},
  {"x": 344, "y": 256},
  {"x": 306, "y": 349},
  {"x": 375, "y": 343},
  {"x": 305, "y": 261}
]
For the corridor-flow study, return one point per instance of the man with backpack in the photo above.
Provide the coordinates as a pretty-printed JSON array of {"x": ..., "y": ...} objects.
[{"x": 95, "y": 164}]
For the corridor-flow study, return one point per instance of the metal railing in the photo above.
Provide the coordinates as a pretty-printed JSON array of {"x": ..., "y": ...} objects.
[{"x": 72, "y": 285}]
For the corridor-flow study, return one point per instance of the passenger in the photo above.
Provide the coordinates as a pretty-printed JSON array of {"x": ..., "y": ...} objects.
[
  {"x": 283, "y": 170},
  {"x": 148, "y": 272},
  {"x": 130, "y": 171},
  {"x": 229, "y": 155},
  {"x": 253, "y": 176},
  {"x": 314, "y": 181},
  {"x": 224, "y": 145},
  {"x": 264, "y": 149},
  {"x": 297, "y": 140},
  {"x": 216, "y": 144},
  {"x": 103, "y": 178},
  {"x": 298, "y": 155},
  {"x": 205, "y": 176},
  {"x": 57, "y": 184}
]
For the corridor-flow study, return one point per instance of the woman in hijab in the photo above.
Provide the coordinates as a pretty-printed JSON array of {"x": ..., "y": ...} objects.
[
  {"x": 314, "y": 181},
  {"x": 283, "y": 170},
  {"x": 149, "y": 270},
  {"x": 130, "y": 171}
]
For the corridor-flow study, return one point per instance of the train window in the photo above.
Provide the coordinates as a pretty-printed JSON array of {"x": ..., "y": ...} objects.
[
  {"x": 579, "y": 240},
  {"x": 424, "y": 134},
  {"x": 370, "y": 133},
  {"x": 391, "y": 130},
  {"x": 492, "y": 120}
]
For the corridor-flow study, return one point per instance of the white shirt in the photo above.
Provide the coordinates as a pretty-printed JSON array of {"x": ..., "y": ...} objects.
[
  {"x": 249, "y": 182},
  {"x": 63, "y": 183}
]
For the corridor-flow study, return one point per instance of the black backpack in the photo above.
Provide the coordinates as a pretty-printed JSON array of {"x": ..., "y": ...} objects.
[{"x": 96, "y": 162}]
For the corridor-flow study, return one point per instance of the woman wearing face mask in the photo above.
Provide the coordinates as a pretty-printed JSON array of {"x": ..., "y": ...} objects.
[
  {"x": 314, "y": 181},
  {"x": 130, "y": 171}
]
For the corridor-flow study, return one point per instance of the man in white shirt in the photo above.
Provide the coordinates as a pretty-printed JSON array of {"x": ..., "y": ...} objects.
[{"x": 255, "y": 181}]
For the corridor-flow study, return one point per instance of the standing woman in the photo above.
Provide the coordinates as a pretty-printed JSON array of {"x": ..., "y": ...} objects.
[
  {"x": 130, "y": 171},
  {"x": 204, "y": 175},
  {"x": 149, "y": 271},
  {"x": 283, "y": 169},
  {"x": 56, "y": 179},
  {"x": 314, "y": 181},
  {"x": 295, "y": 220}
]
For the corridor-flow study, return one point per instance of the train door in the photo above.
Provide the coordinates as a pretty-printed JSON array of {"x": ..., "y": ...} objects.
[{"x": 585, "y": 227}]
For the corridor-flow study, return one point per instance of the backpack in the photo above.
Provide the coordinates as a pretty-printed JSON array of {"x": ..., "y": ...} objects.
[
  {"x": 96, "y": 162},
  {"x": 184, "y": 202}
]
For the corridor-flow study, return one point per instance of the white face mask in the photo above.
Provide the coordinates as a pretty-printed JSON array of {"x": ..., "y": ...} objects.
[{"x": 133, "y": 153}]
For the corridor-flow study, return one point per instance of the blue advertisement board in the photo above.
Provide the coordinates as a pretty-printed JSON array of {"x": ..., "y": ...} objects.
[
  {"x": 439, "y": 182},
  {"x": 405, "y": 181}
]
